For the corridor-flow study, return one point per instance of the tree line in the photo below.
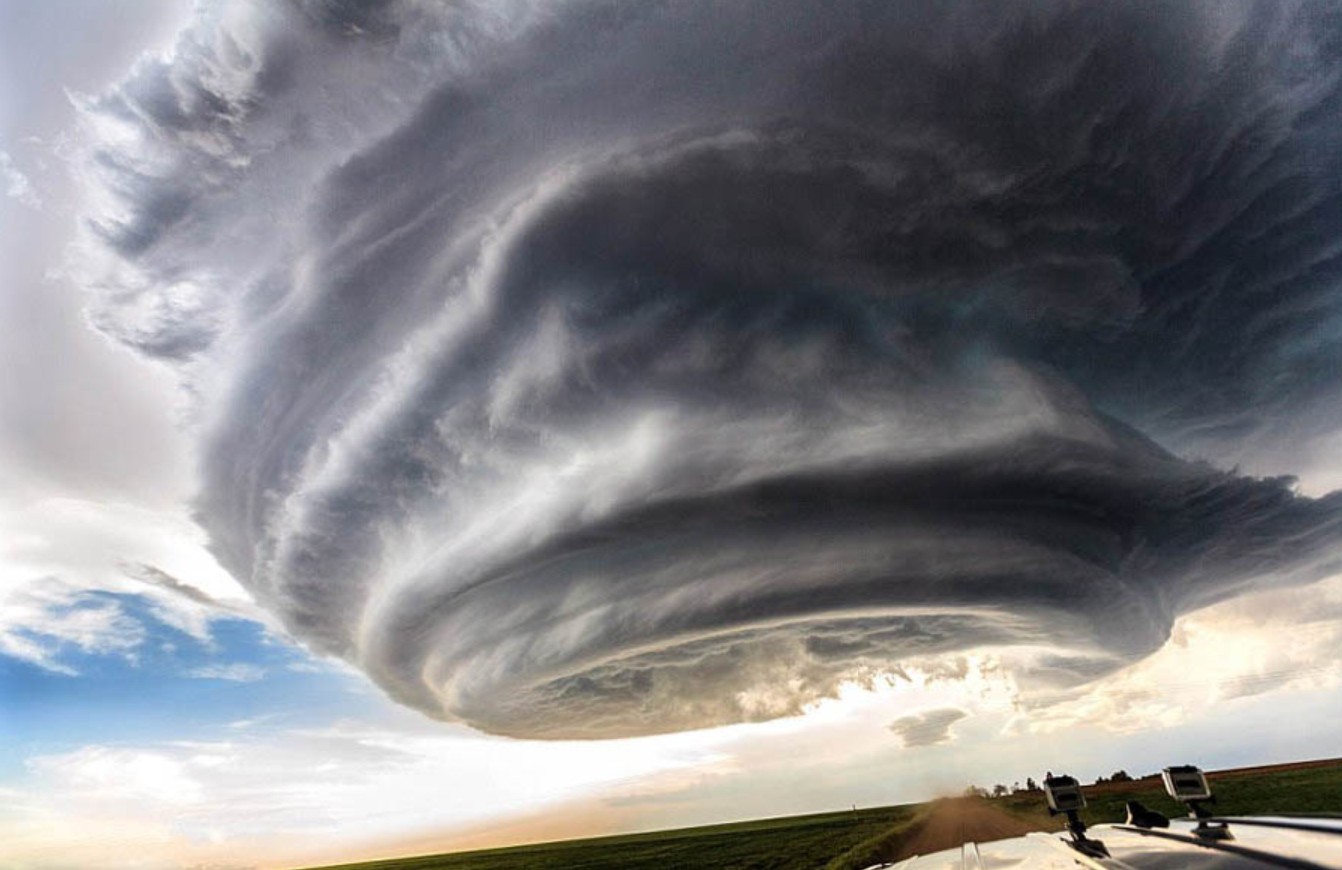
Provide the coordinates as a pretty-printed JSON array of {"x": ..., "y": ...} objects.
[{"x": 1002, "y": 790}]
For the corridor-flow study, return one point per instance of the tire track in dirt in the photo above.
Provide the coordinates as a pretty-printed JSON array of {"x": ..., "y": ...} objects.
[{"x": 954, "y": 821}]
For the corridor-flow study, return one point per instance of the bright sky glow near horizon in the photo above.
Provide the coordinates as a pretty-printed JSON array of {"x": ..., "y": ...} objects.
[{"x": 435, "y": 425}]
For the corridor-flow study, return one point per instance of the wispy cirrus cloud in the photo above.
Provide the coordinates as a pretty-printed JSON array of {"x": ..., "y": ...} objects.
[
  {"x": 678, "y": 393},
  {"x": 74, "y": 592},
  {"x": 16, "y": 183},
  {"x": 42, "y": 620},
  {"x": 236, "y": 672}
]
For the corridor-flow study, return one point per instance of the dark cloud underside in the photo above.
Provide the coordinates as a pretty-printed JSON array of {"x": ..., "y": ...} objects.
[{"x": 621, "y": 368}]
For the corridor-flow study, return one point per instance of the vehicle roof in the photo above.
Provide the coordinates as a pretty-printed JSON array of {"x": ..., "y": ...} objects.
[{"x": 1258, "y": 842}]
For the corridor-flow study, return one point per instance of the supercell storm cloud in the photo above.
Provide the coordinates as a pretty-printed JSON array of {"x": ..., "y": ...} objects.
[{"x": 598, "y": 369}]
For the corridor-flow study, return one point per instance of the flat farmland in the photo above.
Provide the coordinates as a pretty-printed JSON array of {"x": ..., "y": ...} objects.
[
  {"x": 854, "y": 839},
  {"x": 1299, "y": 788},
  {"x": 790, "y": 843}
]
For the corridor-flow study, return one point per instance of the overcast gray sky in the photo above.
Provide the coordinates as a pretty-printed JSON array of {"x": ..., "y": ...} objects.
[{"x": 77, "y": 415}]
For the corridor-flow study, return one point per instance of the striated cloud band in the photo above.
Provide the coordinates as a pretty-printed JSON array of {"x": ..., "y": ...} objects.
[{"x": 598, "y": 369}]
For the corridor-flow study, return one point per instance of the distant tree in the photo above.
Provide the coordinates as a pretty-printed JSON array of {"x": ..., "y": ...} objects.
[
  {"x": 1015, "y": 787},
  {"x": 999, "y": 790},
  {"x": 974, "y": 791},
  {"x": 1120, "y": 776},
  {"x": 1030, "y": 784}
]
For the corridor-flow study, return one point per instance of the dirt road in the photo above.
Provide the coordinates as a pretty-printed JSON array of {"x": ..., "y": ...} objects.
[{"x": 959, "y": 820}]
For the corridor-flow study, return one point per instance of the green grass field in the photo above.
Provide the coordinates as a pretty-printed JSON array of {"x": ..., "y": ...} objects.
[
  {"x": 881, "y": 846},
  {"x": 792, "y": 843},
  {"x": 853, "y": 839},
  {"x": 1291, "y": 789}
]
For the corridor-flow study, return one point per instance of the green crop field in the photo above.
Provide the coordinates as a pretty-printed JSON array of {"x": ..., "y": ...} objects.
[
  {"x": 1298, "y": 789},
  {"x": 792, "y": 843},
  {"x": 853, "y": 839}
]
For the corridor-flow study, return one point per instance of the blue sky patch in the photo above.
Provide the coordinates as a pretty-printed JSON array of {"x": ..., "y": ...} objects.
[{"x": 168, "y": 685}]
